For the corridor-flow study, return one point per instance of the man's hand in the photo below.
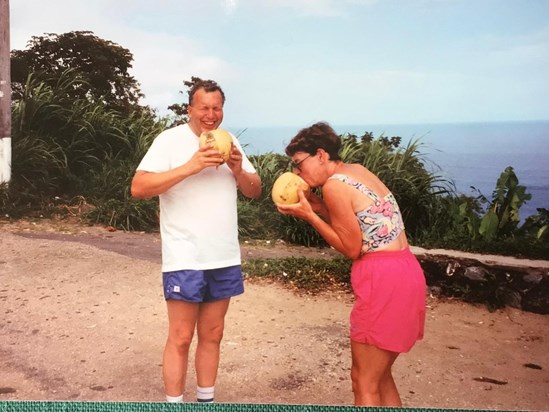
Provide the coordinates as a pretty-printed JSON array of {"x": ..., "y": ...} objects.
[
  {"x": 235, "y": 160},
  {"x": 205, "y": 157},
  {"x": 248, "y": 183}
]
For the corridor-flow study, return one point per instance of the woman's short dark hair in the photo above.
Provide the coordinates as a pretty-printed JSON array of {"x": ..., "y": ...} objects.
[
  {"x": 209, "y": 86},
  {"x": 318, "y": 136}
]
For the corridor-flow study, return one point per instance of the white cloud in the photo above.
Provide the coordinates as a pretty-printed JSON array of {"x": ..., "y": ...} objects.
[
  {"x": 230, "y": 6},
  {"x": 162, "y": 62}
]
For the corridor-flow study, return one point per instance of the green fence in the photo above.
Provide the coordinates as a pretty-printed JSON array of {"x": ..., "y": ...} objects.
[{"x": 38, "y": 406}]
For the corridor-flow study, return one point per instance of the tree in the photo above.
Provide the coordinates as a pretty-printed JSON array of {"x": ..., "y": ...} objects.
[
  {"x": 181, "y": 109},
  {"x": 101, "y": 64}
]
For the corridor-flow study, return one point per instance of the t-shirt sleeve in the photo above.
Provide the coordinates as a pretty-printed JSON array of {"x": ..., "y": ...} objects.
[{"x": 156, "y": 159}]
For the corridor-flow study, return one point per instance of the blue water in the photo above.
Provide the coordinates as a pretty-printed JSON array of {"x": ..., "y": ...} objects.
[{"x": 470, "y": 154}]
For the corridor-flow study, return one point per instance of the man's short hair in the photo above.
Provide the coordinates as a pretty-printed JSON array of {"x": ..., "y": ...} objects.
[{"x": 209, "y": 86}]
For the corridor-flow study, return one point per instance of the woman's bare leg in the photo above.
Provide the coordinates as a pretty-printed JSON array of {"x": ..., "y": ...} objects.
[{"x": 373, "y": 383}]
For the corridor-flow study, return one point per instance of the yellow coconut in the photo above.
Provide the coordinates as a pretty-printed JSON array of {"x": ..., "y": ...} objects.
[
  {"x": 285, "y": 188},
  {"x": 220, "y": 139}
]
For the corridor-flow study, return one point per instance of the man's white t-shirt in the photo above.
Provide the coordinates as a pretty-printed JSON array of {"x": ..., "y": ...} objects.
[{"x": 198, "y": 216}]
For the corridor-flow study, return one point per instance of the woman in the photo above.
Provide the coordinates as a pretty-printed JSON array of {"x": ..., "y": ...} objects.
[{"x": 360, "y": 218}]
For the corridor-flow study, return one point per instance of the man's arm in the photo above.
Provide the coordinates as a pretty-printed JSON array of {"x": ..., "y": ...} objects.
[
  {"x": 248, "y": 183},
  {"x": 148, "y": 184}
]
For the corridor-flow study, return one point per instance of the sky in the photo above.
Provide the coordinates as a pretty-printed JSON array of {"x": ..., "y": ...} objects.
[{"x": 348, "y": 62}]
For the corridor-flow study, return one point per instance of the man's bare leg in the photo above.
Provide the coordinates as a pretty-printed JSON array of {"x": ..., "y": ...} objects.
[
  {"x": 182, "y": 317},
  {"x": 210, "y": 327}
]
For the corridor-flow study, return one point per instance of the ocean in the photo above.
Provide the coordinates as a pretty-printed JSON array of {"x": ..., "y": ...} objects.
[{"x": 469, "y": 154}]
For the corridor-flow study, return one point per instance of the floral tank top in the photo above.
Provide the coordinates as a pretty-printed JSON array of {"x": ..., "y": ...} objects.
[{"x": 381, "y": 222}]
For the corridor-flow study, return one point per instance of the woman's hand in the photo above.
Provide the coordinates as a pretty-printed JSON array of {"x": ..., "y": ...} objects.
[
  {"x": 318, "y": 205},
  {"x": 302, "y": 209}
]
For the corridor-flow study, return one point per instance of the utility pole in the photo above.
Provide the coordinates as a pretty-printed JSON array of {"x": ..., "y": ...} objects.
[{"x": 5, "y": 93}]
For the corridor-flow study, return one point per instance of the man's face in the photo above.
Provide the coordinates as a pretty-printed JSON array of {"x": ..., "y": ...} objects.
[{"x": 206, "y": 112}]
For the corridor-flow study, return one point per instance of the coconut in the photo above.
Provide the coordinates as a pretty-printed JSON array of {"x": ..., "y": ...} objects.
[
  {"x": 220, "y": 139},
  {"x": 285, "y": 188}
]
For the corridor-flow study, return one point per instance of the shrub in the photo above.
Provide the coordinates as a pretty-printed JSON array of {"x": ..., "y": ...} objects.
[{"x": 312, "y": 275}]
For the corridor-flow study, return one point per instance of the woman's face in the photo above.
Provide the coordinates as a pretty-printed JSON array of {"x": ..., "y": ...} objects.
[{"x": 305, "y": 165}]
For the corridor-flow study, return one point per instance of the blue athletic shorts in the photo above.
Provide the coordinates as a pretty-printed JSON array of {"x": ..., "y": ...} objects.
[{"x": 203, "y": 285}]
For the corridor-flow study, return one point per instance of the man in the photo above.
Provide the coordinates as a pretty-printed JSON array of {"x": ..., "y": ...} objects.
[{"x": 198, "y": 225}]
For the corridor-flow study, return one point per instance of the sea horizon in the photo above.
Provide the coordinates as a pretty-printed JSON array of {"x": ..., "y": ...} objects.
[{"x": 338, "y": 126}]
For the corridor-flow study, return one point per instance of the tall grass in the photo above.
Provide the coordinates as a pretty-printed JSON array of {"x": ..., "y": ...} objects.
[
  {"x": 65, "y": 149},
  {"x": 405, "y": 171}
]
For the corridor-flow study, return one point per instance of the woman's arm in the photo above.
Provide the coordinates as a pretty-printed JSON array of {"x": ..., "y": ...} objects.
[{"x": 342, "y": 232}]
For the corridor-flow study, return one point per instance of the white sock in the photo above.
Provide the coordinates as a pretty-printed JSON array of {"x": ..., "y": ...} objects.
[
  {"x": 205, "y": 394},
  {"x": 174, "y": 399}
]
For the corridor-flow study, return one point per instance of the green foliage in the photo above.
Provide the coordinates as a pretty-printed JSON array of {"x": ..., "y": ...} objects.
[
  {"x": 256, "y": 217},
  {"x": 180, "y": 110},
  {"x": 474, "y": 224},
  {"x": 126, "y": 214},
  {"x": 501, "y": 217},
  {"x": 469, "y": 217},
  {"x": 447, "y": 226},
  {"x": 508, "y": 197},
  {"x": 101, "y": 64},
  {"x": 312, "y": 275},
  {"x": 65, "y": 149},
  {"x": 537, "y": 225}
]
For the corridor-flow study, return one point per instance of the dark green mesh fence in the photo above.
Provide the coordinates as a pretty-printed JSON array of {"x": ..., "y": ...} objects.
[{"x": 36, "y": 406}]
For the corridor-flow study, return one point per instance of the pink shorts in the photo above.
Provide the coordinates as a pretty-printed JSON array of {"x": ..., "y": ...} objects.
[{"x": 390, "y": 292}]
